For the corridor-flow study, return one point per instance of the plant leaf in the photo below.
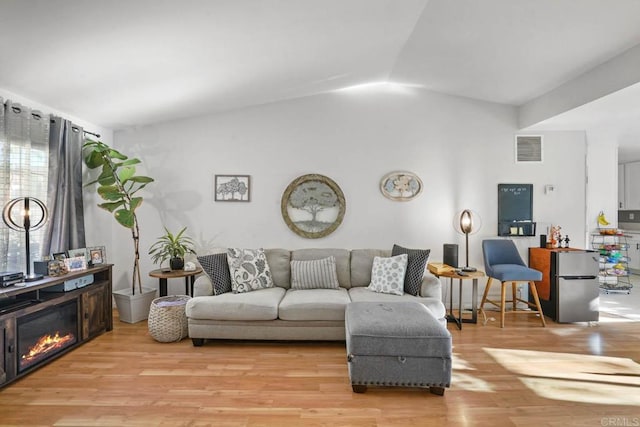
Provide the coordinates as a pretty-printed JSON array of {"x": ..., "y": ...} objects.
[
  {"x": 111, "y": 206},
  {"x": 110, "y": 192},
  {"x": 125, "y": 217},
  {"x": 125, "y": 173},
  {"x": 141, "y": 179},
  {"x": 115, "y": 154},
  {"x": 93, "y": 160},
  {"x": 135, "y": 202}
]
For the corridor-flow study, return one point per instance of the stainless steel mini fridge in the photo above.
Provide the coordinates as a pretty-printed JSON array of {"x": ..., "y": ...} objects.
[{"x": 575, "y": 276}]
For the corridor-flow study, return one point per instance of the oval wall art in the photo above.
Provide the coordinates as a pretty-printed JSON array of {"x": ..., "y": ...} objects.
[
  {"x": 401, "y": 186},
  {"x": 313, "y": 206}
]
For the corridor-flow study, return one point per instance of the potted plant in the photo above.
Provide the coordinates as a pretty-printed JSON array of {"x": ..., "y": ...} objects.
[
  {"x": 172, "y": 247},
  {"x": 118, "y": 186}
]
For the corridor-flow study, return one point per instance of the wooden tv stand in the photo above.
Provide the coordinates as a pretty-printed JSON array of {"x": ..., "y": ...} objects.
[{"x": 94, "y": 313}]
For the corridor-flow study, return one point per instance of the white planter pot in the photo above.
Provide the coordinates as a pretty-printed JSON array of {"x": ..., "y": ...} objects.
[{"x": 134, "y": 308}]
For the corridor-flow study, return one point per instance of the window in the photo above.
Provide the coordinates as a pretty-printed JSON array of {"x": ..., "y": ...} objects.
[{"x": 24, "y": 162}]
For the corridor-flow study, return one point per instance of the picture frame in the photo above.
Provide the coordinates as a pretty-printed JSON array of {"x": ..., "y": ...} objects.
[
  {"x": 232, "y": 188},
  {"x": 313, "y": 206},
  {"x": 59, "y": 256},
  {"x": 72, "y": 253},
  {"x": 401, "y": 186},
  {"x": 76, "y": 263},
  {"x": 97, "y": 255}
]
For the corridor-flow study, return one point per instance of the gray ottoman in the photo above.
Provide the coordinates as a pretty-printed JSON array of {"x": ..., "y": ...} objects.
[{"x": 396, "y": 344}]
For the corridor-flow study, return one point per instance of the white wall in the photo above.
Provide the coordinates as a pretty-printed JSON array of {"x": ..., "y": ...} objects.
[{"x": 460, "y": 148}]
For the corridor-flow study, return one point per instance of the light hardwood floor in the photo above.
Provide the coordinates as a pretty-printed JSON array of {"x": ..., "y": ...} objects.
[{"x": 522, "y": 375}]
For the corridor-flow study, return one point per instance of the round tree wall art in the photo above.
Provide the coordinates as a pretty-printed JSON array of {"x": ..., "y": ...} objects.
[
  {"x": 313, "y": 206},
  {"x": 401, "y": 186}
]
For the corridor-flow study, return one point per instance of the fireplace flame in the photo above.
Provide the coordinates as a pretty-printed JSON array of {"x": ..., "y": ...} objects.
[{"x": 46, "y": 344}]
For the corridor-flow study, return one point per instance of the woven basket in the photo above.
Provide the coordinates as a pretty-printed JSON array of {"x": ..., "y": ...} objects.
[{"x": 167, "y": 318}]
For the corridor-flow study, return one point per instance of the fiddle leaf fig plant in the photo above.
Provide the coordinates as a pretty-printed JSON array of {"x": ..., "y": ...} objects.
[{"x": 118, "y": 185}]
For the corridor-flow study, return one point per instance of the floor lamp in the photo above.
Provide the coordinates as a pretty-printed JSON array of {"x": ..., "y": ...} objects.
[{"x": 20, "y": 219}]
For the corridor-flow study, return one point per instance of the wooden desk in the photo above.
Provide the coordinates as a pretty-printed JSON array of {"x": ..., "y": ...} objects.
[
  {"x": 163, "y": 275},
  {"x": 474, "y": 276}
]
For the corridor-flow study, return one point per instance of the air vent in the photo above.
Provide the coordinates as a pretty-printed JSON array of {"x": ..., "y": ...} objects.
[{"x": 528, "y": 149}]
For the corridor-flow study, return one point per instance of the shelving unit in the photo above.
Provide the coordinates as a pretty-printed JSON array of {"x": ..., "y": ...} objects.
[{"x": 613, "y": 260}]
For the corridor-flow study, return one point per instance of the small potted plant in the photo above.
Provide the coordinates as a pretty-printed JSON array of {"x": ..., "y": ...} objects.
[{"x": 172, "y": 247}]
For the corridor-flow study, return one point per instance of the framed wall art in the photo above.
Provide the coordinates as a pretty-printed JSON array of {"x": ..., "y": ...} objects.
[
  {"x": 313, "y": 206},
  {"x": 232, "y": 188},
  {"x": 401, "y": 186}
]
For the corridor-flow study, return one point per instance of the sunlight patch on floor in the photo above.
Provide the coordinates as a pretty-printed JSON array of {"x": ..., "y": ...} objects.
[
  {"x": 578, "y": 391},
  {"x": 464, "y": 380},
  {"x": 574, "y": 377}
]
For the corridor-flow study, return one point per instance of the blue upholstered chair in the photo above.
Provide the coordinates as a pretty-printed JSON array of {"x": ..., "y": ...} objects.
[{"x": 503, "y": 262}]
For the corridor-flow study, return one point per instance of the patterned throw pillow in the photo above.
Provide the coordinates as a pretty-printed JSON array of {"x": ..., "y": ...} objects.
[
  {"x": 216, "y": 267},
  {"x": 415, "y": 268},
  {"x": 387, "y": 274},
  {"x": 248, "y": 269},
  {"x": 314, "y": 274}
]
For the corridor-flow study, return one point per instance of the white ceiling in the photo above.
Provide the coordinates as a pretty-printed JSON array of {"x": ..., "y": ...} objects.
[{"x": 123, "y": 63}]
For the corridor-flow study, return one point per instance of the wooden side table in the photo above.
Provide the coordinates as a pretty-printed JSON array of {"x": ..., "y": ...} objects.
[
  {"x": 474, "y": 276},
  {"x": 163, "y": 275}
]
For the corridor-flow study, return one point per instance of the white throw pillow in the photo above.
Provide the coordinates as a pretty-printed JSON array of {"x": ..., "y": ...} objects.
[
  {"x": 387, "y": 274},
  {"x": 314, "y": 274},
  {"x": 248, "y": 269}
]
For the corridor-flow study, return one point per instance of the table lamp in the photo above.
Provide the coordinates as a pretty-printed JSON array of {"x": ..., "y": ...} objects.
[
  {"x": 21, "y": 220},
  {"x": 468, "y": 223}
]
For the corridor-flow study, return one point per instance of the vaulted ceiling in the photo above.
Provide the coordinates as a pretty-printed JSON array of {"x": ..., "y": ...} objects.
[{"x": 122, "y": 63}]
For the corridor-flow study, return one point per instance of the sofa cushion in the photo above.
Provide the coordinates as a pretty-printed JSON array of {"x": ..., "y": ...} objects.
[
  {"x": 314, "y": 274},
  {"x": 261, "y": 304},
  {"x": 415, "y": 269},
  {"x": 215, "y": 266},
  {"x": 314, "y": 304},
  {"x": 361, "y": 263},
  {"x": 387, "y": 274},
  {"x": 363, "y": 294},
  {"x": 249, "y": 270},
  {"x": 278, "y": 260},
  {"x": 342, "y": 257}
]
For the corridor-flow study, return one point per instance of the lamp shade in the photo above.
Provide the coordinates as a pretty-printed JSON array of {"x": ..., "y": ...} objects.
[{"x": 466, "y": 221}]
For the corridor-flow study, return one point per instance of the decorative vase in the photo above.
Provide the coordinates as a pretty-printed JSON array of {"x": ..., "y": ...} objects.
[
  {"x": 176, "y": 263},
  {"x": 133, "y": 308}
]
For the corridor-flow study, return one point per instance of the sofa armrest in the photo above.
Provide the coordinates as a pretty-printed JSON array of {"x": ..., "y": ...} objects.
[
  {"x": 202, "y": 286},
  {"x": 431, "y": 286}
]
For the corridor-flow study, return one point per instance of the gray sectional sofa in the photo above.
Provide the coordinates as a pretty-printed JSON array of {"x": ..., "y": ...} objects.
[{"x": 282, "y": 313}]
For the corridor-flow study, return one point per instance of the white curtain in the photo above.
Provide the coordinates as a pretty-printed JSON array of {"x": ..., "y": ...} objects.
[{"x": 24, "y": 163}]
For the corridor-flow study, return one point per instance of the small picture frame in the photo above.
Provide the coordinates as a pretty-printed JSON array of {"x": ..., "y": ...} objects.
[
  {"x": 72, "y": 253},
  {"x": 97, "y": 255},
  {"x": 232, "y": 188},
  {"x": 59, "y": 256},
  {"x": 76, "y": 263}
]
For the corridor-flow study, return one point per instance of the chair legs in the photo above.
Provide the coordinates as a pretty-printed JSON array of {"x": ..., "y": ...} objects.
[{"x": 502, "y": 304}]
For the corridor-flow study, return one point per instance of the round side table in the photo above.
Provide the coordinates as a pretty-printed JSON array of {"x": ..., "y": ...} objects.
[{"x": 189, "y": 278}]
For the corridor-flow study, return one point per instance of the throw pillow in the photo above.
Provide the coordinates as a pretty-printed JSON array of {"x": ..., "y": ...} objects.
[
  {"x": 216, "y": 267},
  {"x": 248, "y": 269},
  {"x": 314, "y": 274},
  {"x": 387, "y": 274},
  {"x": 415, "y": 267}
]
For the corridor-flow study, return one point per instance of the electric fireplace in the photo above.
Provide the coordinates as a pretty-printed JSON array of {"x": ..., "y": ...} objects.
[{"x": 46, "y": 333}]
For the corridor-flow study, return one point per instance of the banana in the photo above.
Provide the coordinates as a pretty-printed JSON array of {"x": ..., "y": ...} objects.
[{"x": 602, "y": 220}]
